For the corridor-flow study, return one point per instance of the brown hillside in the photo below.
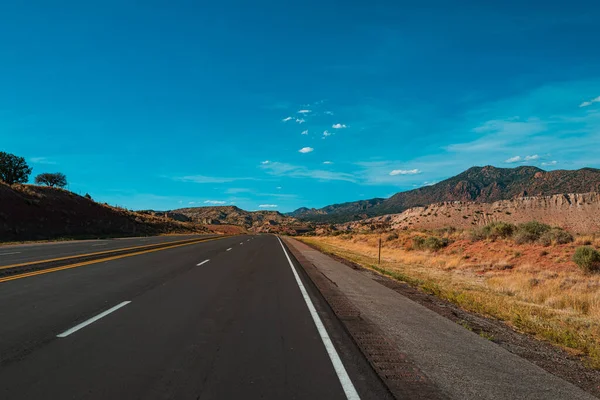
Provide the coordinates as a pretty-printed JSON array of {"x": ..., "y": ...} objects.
[
  {"x": 578, "y": 213},
  {"x": 29, "y": 212}
]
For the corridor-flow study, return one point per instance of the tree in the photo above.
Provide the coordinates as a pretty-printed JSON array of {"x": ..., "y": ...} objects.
[
  {"x": 51, "y": 179},
  {"x": 13, "y": 169}
]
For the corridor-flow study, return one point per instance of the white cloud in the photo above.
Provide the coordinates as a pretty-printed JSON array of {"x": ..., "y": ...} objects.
[
  {"x": 304, "y": 111},
  {"x": 265, "y": 162},
  {"x": 297, "y": 171},
  {"x": 214, "y": 202},
  {"x": 328, "y": 113},
  {"x": 404, "y": 172},
  {"x": 305, "y": 150},
  {"x": 327, "y": 162},
  {"x": 300, "y": 120},
  {"x": 590, "y": 102},
  {"x": 41, "y": 160},
  {"x": 286, "y": 119},
  {"x": 278, "y": 188},
  {"x": 550, "y": 163},
  {"x": 326, "y": 133},
  {"x": 338, "y": 126},
  {"x": 304, "y": 132},
  {"x": 191, "y": 202},
  {"x": 268, "y": 206},
  {"x": 208, "y": 179},
  {"x": 519, "y": 158}
]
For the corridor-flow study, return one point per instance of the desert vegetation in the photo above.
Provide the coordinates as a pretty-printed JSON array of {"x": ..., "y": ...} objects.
[{"x": 539, "y": 279}]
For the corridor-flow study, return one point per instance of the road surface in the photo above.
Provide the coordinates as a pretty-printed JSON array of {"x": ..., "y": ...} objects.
[
  {"x": 21, "y": 253},
  {"x": 221, "y": 319}
]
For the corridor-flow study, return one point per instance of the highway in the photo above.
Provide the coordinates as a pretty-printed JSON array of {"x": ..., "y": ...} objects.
[
  {"x": 227, "y": 318},
  {"x": 20, "y": 253}
]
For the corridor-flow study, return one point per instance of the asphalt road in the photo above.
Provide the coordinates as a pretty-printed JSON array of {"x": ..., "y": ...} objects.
[
  {"x": 235, "y": 326},
  {"x": 20, "y": 253}
]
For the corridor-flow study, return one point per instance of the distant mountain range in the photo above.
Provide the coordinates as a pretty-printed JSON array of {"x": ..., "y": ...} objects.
[{"x": 477, "y": 184}]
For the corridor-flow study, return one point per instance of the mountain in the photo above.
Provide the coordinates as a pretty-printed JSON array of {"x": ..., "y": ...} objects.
[
  {"x": 353, "y": 210},
  {"x": 29, "y": 212},
  {"x": 257, "y": 221},
  {"x": 477, "y": 184}
]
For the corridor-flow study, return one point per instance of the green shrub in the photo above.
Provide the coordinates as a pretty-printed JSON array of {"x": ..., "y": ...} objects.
[
  {"x": 418, "y": 243},
  {"x": 392, "y": 236},
  {"x": 435, "y": 244},
  {"x": 493, "y": 230},
  {"x": 557, "y": 236},
  {"x": 530, "y": 232},
  {"x": 587, "y": 258}
]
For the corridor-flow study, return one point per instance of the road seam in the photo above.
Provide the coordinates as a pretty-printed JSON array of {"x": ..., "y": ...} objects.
[
  {"x": 96, "y": 261},
  {"x": 92, "y": 320},
  {"x": 340, "y": 370}
]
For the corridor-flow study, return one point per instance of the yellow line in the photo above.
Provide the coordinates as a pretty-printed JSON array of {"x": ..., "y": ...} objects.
[
  {"x": 81, "y": 264},
  {"x": 146, "y": 246}
]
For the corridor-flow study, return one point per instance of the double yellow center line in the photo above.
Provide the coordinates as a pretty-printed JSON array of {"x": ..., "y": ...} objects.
[{"x": 95, "y": 261}]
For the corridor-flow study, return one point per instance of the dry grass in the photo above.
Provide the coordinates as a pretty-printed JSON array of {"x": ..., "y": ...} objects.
[{"x": 536, "y": 289}]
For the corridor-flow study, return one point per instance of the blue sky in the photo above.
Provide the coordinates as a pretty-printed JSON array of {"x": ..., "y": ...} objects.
[{"x": 186, "y": 103}]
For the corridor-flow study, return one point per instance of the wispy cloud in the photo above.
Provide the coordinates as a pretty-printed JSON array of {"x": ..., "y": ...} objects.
[
  {"x": 215, "y": 202},
  {"x": 237, "y": 190},
  {"x": 590, "y": 102},
  {"x": 286, "y": 119},
  {"x": 327, "y": 162},
  {"x": 268, "y": 206},
  {"x": 519, "y": 158},
  {"x": 404, "y": 172},
  {"x": 328, "y": 113},
  {"x": 265, "y": 162},
  {"x": 549, "y": 163},
  {"x": 338, "y": 126},
  {"x": 326, "y": 133},
  {"x": 305, "y": 150},
  {"x": 300, "y": 120},
  {"x": 208, "y": 179},
  {"x": 298, "y": 171},
  {"x": 304, "y": 132},
  {"x": 304, "y": 111},
  {"x": 41, "y": 160}
]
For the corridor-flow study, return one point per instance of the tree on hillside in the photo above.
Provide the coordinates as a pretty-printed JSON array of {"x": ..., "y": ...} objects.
[
  {"x": 51, "y": 179},
  {"x": 13, "y": 169}
]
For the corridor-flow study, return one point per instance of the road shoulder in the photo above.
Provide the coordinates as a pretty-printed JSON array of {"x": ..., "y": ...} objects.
[{"x": 455, "y": 362}]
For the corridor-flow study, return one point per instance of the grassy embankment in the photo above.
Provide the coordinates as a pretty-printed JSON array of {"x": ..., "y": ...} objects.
[{"x": 524, "y": 276}]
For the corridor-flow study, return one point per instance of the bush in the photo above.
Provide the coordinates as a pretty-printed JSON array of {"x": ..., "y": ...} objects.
[
  {"x": 493, "y": 230},
  {"x": 530, "y": 232},
  {"x": 392, "y": 236},
  {"x": 13, "y": 169},
  {"x": 587, "y": 258},
  {"x": 557, "y": 236},
  {"x": 429, "y": 243}
]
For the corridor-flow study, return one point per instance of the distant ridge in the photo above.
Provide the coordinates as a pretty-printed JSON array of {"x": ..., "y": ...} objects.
[{"x": 477, "y": 184}]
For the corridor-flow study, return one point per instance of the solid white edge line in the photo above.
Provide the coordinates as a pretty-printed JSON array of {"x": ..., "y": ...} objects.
[
  {"x": 338, "y": 366},
  {"x": 92, "y": 320},
  {"x": 203, "y": 262},
  {"x": 7, "y": 254}
]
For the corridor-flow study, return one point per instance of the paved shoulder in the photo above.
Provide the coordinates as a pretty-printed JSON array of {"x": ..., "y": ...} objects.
[{"x": 462, "y": 364}]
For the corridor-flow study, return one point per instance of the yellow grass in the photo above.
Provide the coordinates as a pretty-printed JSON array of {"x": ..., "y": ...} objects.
[{"x": 551, "y": 299}]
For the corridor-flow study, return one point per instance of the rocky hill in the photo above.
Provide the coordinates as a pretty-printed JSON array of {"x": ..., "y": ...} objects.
[
  {"x": 477, "y": 184},
  {"x": 257, "y": 221},
  {"x": 576, "y": 212},
  {"x": 29, "y": 212},
  {"x": 350, "y": 210}
]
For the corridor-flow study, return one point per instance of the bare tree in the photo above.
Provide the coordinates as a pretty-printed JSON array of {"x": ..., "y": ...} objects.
[
  {"x": 51, "y": 179},
  {"x": 13, "y": 169}
]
